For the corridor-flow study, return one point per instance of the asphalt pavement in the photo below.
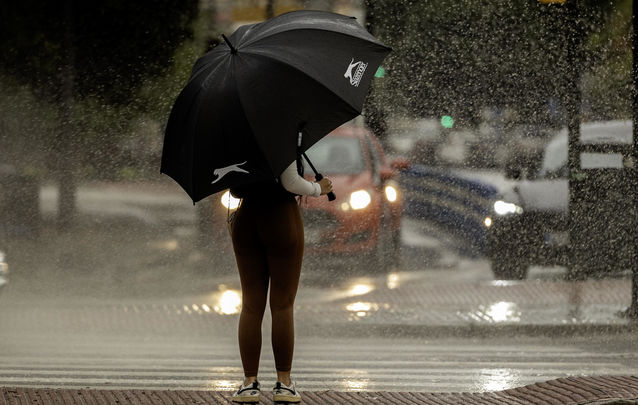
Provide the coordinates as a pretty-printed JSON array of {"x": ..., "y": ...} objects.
[
  {"x": 138, "y": 240},
  {"x": 132, "y": 266}
]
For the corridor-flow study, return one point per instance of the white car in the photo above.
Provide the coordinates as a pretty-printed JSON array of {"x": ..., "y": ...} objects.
[{"x": 531, "y": 223}]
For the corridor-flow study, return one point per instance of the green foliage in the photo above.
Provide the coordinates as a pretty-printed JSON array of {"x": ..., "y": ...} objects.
[
  {"x": 26, "y": 123},
  {"x": 112, "y": 45},
  {"x": 460, "y": 56},
  {"x": 608, "y": 83},
  {"x": 89, "y": 115},
  {"x": 157, "y": 94}
]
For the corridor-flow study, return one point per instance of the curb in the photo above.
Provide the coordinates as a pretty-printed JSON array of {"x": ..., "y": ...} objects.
[
  {"x": 562, "y": 391},
  {"x": 469, "y": 330}
]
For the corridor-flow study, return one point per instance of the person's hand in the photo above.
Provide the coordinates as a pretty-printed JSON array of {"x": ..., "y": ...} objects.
[{"x": 326, "y": 186}]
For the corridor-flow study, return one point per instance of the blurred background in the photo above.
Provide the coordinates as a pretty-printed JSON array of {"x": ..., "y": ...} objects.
[
  {"x": 491, "y": 179},
  {"x": 473, "y": 92}
]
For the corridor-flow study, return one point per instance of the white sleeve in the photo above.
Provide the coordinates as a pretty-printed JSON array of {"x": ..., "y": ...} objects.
[{"x": 296, "y": 184}]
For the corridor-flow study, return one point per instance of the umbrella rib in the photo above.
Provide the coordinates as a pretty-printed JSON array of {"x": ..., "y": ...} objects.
[
  {"x": 233, "y": 50},
  {"x": 354, "y": 30},
  {"x": 254, "y": 41},
  {"x": 196, "y": 128}
]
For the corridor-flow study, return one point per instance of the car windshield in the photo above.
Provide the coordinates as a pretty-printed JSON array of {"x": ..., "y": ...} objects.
[
  {"x": 554, "y": 158},
  {"x": 336, "y": 155},
  {"x": 612, "y": 132}
]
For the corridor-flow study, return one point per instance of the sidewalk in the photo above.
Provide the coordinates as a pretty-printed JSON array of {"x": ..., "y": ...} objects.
[{"x": 563, "y": 391}]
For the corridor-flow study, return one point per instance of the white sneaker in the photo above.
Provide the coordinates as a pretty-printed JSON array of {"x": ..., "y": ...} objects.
[
  {"x": 247, "y": 393},
  {"x": 285, "y": 393}
]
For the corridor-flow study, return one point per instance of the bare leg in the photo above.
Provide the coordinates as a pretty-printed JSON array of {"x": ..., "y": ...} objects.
[
  {"x": 283, "y": 376},
  {"x": 254, "y": 295},
  {"x": 284, "y": 262}
]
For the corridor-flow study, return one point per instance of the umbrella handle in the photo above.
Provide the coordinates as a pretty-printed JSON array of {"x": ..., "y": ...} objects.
[
  {"x": 318, "y": 176},
  {"x": 331, "y": 195}
]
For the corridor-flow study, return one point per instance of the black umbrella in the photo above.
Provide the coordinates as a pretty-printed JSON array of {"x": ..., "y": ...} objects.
[{"x": 237, "y": 120}]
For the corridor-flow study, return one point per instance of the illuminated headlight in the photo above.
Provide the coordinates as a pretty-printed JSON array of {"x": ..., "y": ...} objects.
[
  {"x": 228, "y": 201},
  {"x": 504, "y": 208},
  {"x": 391, "y": 193},
  {"x": 4, "y": 268},
  {"x": 360, "y": 199}
]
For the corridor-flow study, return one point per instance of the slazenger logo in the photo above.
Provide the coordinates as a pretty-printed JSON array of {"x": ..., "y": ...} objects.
[
  {"x": 222, "y": 171},
  {"x": 355, "y": 72}
]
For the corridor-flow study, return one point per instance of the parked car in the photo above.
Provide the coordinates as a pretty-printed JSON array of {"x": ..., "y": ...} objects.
[
  {"x": 4, "y": 270},
  {"x": 362, "y": 227},
  {"x": 530, "y": 225}
]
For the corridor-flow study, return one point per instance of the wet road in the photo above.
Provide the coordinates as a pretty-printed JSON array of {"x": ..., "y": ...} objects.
[
  {"x": 186, "y": 360},
  {"x": 73, "y": 329}
]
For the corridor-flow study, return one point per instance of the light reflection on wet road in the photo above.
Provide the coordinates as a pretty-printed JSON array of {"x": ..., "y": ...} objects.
[
  {"x": 372, "y": 363},
  {"x": 498, "y": 379},
  {"x": 188, "y": 341}
]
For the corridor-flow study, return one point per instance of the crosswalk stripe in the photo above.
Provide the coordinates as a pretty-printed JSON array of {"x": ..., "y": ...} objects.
[
  {"x": 348, "y": 363},
  {"x": 198, "y": 363},
  {"x": 311, "y": 374},
  {"x": 402, "y": 372},
  {"x": 305, "y": 384},
  {"x": 550, "y": 368}
]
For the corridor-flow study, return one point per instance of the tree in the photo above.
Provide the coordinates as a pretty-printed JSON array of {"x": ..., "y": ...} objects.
[
  {"x": 608, "y": 81},
  {"x": 456, "y": 57},
  {"x": 73, "y": 50}
]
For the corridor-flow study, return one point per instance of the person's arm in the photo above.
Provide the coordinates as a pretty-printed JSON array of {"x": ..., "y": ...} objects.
[{"x": 296, "y": 184}]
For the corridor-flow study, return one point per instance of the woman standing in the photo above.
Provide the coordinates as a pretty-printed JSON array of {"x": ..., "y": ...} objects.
[{"x": 268, "y": 241}]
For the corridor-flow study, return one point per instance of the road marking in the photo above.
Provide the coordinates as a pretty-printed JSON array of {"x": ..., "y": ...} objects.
[{"x": 320, "y": 364}]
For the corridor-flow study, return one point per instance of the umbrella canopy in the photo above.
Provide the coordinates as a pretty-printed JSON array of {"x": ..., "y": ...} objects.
[{"x": 238, "y": 118}]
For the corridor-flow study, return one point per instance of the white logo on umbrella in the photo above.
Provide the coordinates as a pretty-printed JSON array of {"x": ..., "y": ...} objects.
[
  {"x": 355, "y": 72},
  {"x": 222, "y": 171}
]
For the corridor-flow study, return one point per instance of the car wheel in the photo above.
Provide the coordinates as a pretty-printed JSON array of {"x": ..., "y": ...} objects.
[
  {"x": 508, "y": 269},
  {"x": 395, "y": 251},
  {"x": 380, "y": 260}
]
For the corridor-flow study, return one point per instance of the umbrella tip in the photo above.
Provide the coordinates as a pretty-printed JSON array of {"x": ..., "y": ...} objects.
[{"x": 233, "y": 50}]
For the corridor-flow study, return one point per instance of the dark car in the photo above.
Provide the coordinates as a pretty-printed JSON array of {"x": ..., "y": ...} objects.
[{"x": 530, "y": 225}]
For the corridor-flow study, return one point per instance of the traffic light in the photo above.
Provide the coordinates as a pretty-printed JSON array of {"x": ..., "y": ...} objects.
[{"x": 447, "y": 121}]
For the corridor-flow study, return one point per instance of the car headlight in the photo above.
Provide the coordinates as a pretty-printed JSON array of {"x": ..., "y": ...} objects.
[
  {"x": 487, "y": 222},
  {"x": 228, "y": 201},
  {"x": 360, "y": 199},
  {"x": 4, "y": 267},
  {"x": 503, "y": 208},
  {"x": 391, "y": 193}
]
